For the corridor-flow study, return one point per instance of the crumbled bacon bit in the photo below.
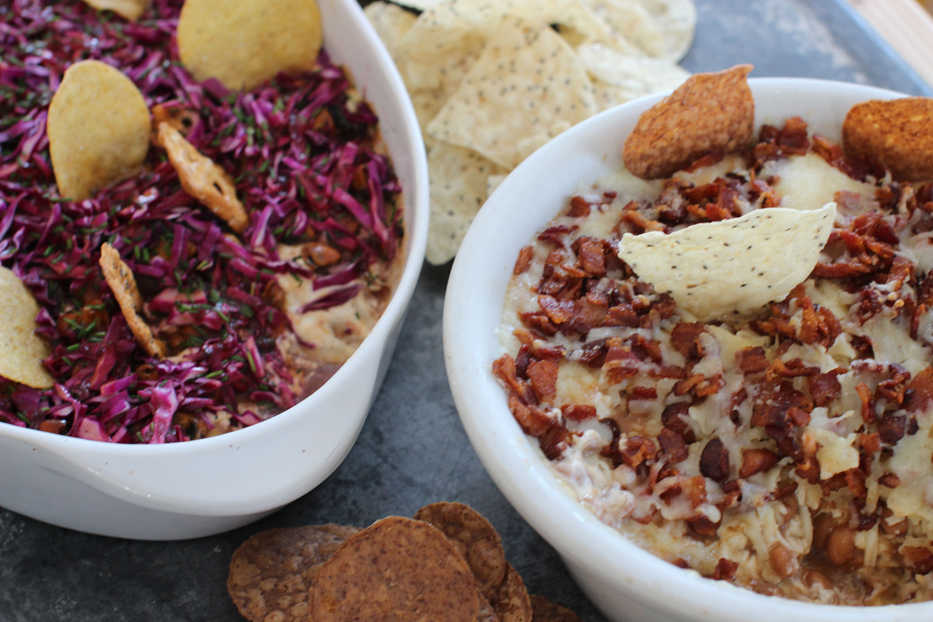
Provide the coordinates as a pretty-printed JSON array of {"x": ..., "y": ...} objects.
[
  {"x": 892, "y": 428},
  {"x": 543, "y": 376},
  {"x": 672, "y": 445},
  {"x": 890, "y": 480},
  {"x": 919, "y": 558},
  {"x": 685, "y": 338},
  {"x": 578, "y": 412},
  {"x": 714, "y": 460},
  {"x": 524, "y": 260},
  {"x": 637, "y": 450},
  {"x": 824, "y": 388},
  {"x": 751, "y": 360},
  {"x": 756, "y": 461},
  {"x": 725, "y": 569}
]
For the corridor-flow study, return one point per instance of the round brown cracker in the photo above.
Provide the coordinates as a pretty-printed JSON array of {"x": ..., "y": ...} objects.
[
  {"x": 272, "y": 571},
  {"x": 475, "y": 538},
  {"x": 396, "y": 570},
  {"x": 511, "y": 601},
  {"x": 895, "y": 134},
  {"x": 709, "y": 112},
  {"x": 546, "y": 611}
]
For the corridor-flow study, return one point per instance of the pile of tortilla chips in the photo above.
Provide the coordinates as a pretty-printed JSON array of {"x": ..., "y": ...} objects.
[
  {"x": 493, "y": 80},
  {"x": 446, "y": 564}
]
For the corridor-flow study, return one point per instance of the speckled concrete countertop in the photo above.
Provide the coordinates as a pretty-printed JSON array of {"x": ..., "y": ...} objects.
[{"x": 412, "y": 449}]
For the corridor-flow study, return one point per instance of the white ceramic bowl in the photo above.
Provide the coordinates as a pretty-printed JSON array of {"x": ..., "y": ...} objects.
[
  {"x": 201, "y": 487},
  {"x": 625, "y": 582}
]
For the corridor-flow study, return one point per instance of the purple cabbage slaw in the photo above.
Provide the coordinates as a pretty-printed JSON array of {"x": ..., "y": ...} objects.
[{"x": 301, "y": 150}]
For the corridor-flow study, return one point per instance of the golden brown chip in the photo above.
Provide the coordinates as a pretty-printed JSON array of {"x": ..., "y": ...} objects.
[
  {"x": 546, "y": 611},
  {"x": 123, "y": 285},
  {"x": 895, "y": 134},
  {"x": 98, "y": 128},
  {"x": 21, "y": 350},
  {"x": 243, "y": 43},
  {"x": 708, "y": 112},
  {"x": 486, "y": 612},
  {"x": 130, "y": 9},
  {"x": 202, "y": 178},
  {"x": 396, "y": 570},
  {"x": 176, "y": 115},
  {"x": 271, "y": 573},
  {"x": 511, "y": 601},
  {"x": 475, "y": 538}
]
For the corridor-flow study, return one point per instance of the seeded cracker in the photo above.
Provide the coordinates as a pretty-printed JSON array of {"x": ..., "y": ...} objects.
[
  {"x": 709, "y": 112},
  {"x": 130, "y": 9},
  {"x": 396, "y": 570},
  {"x": 21, "y": 350},
  {"x": 243, "y": 43},
  {"x": 202, "y": 178},
  {"x": 546, "y": 611},
  {"x": 123, "y": 285},
  {"x": 98, "y": 128},
  {"x": 511, "y": 602},
  {"x": 896, "y": 134},
  {"x": 511, "y": 103},
  {"x": 271, "y": 572},
  {"x": 741, "y": 264},
  {"x": 459, "y": 179},
  {"x": 475, "y": 538}
]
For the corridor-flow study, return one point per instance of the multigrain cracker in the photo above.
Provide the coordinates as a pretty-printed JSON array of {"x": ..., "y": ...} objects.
[
  {"x": 271, "y": 573},
  {"x": 243, "y": 43},
  {"x": 511, "y": 601},
  {"x": 98, "y": 129},
  {"x": 547, "y": 611},
  {"x": 709, "y": 112},
  {"x": 714, "y": 268},
  {"x": 122, "y": 283},
  {"x": 896, "y": 135},
  {"x": 202, "y": 178},
  {"x": 396, "y": 570},
  {"x": 475, "y": 538},
  {"x": 130, "y": 9},
  {"x": 21, "y": 350}
]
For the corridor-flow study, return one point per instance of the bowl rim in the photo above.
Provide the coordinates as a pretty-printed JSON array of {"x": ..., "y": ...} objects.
[
  {"x": 414, "y": 248},
  {"x": 539, "y": 497}
]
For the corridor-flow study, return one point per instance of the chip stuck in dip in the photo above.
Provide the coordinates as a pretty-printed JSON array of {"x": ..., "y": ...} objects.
[
  {"x": 193, "y": 259},
  {"x": 732, "y": 363}
]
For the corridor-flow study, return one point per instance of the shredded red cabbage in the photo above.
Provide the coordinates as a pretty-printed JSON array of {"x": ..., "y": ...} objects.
[{"x": 302, "y": 152}]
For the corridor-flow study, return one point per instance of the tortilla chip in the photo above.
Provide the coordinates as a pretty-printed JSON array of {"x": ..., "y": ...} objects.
[
  {"x": 98, "y": 128},
  {"x": 395, "y": 569},
  {"x": 458, "y": 189},
  {"x": 617, "y": 78},
  {"x": 895, "y": 134},
  {"x": 243, "y": 43},
  {"x": 661, "y": 29},
  {"x": 716, "y": 268},
  {"x": 202, "y": 178},
  {"x": 272, "y": 572},
  {"x": 130, "y": 9},
  {"x": 391, "y": 22},
  {"x": 21, "y": 349},
  {"x": 123, "y": 285},
  {"x": 709, "y": 112},
  {"x": 475, "y": 538},
  {"x": 511, "y": 601},
  {"x": 526, "y": 88},
  {"x": 546, "y": 611}
]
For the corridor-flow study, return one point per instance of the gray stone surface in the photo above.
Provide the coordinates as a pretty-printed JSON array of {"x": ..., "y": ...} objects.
[{"x": 412, "y": 449}]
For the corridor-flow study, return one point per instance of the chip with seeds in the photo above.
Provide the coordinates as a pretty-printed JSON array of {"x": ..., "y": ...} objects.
[
  {"x": 525, "y": 88},
  {"x": 736, "y": 265},
  {"x": 98, "y": 128},
  {"x": 22, "y": 349},
  {"x": 895, "y": 134},
  {"x": 709, "y": 112},
  {"x": 618, "y": 77},
  {"x": 391, "y": 22},
  {"x": 122, "y": 283},
  {"x": 130, "y": 9},
  {"x": 271, "y": 573},
  {"x": 243, "y": 43},
  {"x": 458, "y": 189},
  {"x": 202, "y": 178},
  {"x": 661, "y": 29},
  {"x": 547, "y": 611},
  {"x": 475, "y": 538},
  {"x": 397, "y": 569}
]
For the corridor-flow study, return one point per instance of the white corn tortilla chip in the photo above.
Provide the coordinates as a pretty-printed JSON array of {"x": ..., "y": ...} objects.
[
  {"x": 243, "y": 43},
  {"x": 21, "y": 350},
  {"x": 526, "y": 88},
  {"x": 619, "y": 77},
  {"x": 458, "y": 189},
  {"x": 657, "y": 28},
  {"x": 391, "y": 22},
  {"x": 736, "y": 265},
  {"x": 98, "y": 128}
]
